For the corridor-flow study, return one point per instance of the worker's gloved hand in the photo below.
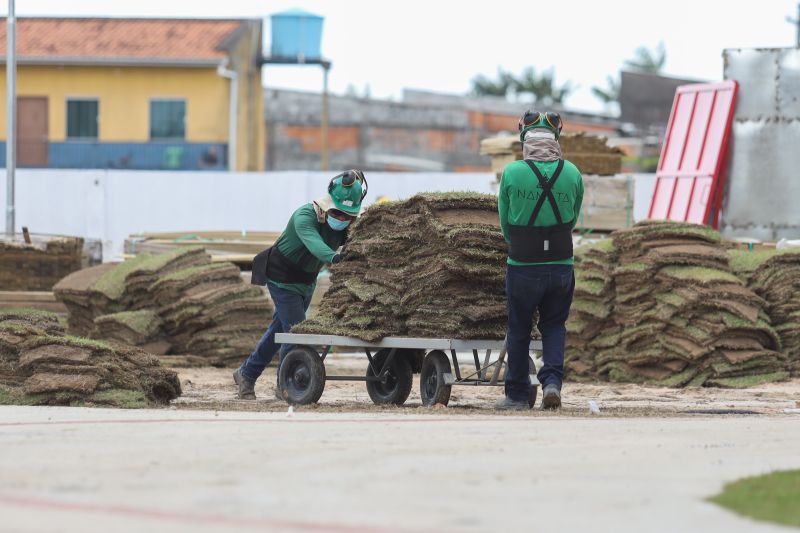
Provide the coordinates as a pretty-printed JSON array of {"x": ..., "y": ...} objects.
[{"x": 338, "y": 258}]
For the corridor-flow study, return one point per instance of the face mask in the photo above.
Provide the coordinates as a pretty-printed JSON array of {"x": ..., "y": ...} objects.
[{"x": 336, "y": 224}]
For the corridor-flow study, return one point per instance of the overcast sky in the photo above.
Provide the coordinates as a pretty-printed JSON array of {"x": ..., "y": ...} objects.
[{"x": 441, "y": 45}]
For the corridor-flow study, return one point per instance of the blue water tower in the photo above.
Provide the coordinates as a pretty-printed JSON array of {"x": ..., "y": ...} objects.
[{"x": 296, "y": 34}]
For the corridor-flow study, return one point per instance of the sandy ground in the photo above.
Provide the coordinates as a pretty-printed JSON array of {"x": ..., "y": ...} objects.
[
  {"x": 211, "y": 388},
  {"x": 646, "y": 463}
]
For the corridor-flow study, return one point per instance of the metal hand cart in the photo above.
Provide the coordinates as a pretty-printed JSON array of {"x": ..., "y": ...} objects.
[{"x": 392, "y": 362}]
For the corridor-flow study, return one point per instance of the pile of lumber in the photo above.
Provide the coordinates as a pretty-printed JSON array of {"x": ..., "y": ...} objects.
[
  {"x": 678, "y": 315},
  {"x": 38, "y": 265},
  {"x": 775, "y": 276},
  {"x": 430, "y": 266},
  {"x": 590, "y": 153},
  {"x": 40, "y": 365},
  {"x": 176, "y": 302},
  {"x": 607, "y": 199}
]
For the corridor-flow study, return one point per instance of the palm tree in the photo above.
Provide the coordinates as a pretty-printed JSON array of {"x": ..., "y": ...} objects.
[
  {"x": 483, "y": 86},
  {"x": 542, "y": 86},
  {"x": 647, "y": 60},
  {"x": 610, "y": 93},
  {"x": 644, "y": 60}
]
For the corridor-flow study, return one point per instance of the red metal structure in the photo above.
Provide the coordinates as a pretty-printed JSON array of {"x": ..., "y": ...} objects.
[{"x": 690, "y": 178}]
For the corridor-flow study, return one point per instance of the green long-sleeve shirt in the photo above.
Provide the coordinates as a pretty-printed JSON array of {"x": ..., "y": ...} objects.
[
  {"x": 520, "y": 190},
  {"x": 309, "y": 243}
]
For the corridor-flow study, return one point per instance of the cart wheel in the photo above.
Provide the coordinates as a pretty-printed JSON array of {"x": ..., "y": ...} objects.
[
  {"x": 302, "y": 376},
  {"x": 431, "y": 379},
  {"x": 397, "y": 385}
]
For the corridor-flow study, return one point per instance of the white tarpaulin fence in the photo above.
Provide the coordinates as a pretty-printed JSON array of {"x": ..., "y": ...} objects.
[{"x": 110, "y": 205}]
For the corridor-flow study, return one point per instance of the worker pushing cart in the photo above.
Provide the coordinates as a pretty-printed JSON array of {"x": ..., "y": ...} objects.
[{"x": 290, "y": 267}]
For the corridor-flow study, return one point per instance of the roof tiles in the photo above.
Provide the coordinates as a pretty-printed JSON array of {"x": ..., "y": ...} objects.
[{"x": 128, "y": 40}]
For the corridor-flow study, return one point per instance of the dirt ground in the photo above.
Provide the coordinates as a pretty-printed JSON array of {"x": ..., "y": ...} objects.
[
  {"x": 647, "y": 462},
  {"x": 213, "y": 388}
]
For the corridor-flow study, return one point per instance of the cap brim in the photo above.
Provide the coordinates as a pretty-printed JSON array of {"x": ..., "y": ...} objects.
[{"x": 350, "y": 210}]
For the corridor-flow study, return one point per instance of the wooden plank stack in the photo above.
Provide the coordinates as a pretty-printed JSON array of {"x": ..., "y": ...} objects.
[{"x": 38, "y": 265}]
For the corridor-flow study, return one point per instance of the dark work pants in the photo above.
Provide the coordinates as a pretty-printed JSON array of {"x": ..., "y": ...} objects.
[
  {"x": 290, "y": 309},
  {"x": 549, "y": 289}
]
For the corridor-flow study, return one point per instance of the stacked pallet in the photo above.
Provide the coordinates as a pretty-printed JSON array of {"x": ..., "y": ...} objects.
[
  {"x": 40, "y": 365},
  {"x": 176, "y": 302},
  {"x": 430, "y": 266},
  {"x": 775, "y": 276},
  {"x": 680, "y": 317},
  {"x": 590, "y": 153},
  {"x": 37, "y": 266}
]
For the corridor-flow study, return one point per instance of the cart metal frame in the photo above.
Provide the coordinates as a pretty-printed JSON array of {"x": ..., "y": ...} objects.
[{"x": 380, "y": 369}]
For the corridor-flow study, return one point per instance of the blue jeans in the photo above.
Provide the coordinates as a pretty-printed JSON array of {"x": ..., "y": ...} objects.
[
  {"x": 290, "y": 309},
  {"x": 549, "y": 289}
]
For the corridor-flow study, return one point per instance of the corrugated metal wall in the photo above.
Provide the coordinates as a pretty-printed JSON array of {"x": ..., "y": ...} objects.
[{"x": 763, "y": 199}]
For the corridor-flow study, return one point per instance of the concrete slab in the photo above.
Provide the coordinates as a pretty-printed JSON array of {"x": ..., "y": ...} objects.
[{"x": 78, "y": 469}]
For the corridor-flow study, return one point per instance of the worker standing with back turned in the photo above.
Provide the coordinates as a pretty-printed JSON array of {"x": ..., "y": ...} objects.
[
  {"x": 290, "y": 267},
  {"x": 539, "y": 204}
]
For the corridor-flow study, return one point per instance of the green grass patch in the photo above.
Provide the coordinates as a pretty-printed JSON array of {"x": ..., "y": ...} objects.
[
  {"x": 10, "y": 313},
  {"x": 144, "y": 321},
  {"x": 112, "y": 283},
  {"x": 589, "y": 307},
  {"x": 188, "y": 272},
  {"x": 8, "y": 397},
  {"x": 603, "y": 245},
  {"x": 771, "y": 498},
  {"x": 700, "y": 274},
  {"x": 593, "y": 287},
  {"x": 127, "y": 399},
  {"x": 632, "y": 267},
  {"x": 746, "y": 382},
  {"x": 21, "y": 329},
  {"x": 671, "y": 298},
  {"x": 86, "y": 343},
  {"x": 746, "y": 261}
]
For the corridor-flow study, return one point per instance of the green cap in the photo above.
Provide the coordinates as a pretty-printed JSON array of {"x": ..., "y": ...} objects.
[{"x": 346, "y": 198}]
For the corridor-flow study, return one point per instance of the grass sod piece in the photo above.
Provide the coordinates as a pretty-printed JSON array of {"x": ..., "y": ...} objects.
[
  {"x": 9, "y": 313},
  {"x": 770, "y": 498},
  {"x": 66, "y": 370},
  {"x": 442, "y": 275},
  {"x": 746, "y": 382},
  {"x": 591, "y": 308},
  {"x": 700, "y": 275},
  {"x": 590, "y": 287},
  {"x": 124, "y": 398},
  {"x": 186, "y": 273},
  {"x": 112, "y": 283},
  {"x": 144, "y": 322},
  {"x": 44, "y": 320},
  {"x": 746, "y": 262}
]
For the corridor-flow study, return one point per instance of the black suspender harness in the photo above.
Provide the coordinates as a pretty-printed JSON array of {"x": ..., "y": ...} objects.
[
  {"x": 531, "y": 244},
  {"x": 272, "y": 264}
]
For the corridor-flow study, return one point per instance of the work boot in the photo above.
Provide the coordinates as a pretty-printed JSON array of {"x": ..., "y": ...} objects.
[
  {"x": 246, "y": 387},
  {"x": 507, "y": 404},
  {"x": 551, "y": 397}
]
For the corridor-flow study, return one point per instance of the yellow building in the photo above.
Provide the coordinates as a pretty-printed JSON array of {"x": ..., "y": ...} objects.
[{"x": 182, "y": 94}]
